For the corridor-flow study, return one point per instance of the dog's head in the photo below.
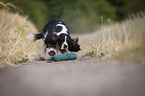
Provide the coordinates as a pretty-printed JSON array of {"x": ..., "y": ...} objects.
[
  {"x": 61, "y": 28},
  {"x": 63, "y": 42},
  {"x": 67, "y": 44},
  {"x": 50, "y": 44},
  {"x": 50, "y": 49}
]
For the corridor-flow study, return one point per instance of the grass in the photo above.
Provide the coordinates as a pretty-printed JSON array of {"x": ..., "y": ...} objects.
[
  {"x": 14, "y": 48},
  {"x": 124, "y": 41},
  {"x": 10, "y": 7}
]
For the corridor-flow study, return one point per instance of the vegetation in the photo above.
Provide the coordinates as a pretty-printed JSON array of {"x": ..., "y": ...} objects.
[
  {"x": 82, "y": 16},
  {"x": 14, "y": 48},
  {"x": 123, "y": 41}
]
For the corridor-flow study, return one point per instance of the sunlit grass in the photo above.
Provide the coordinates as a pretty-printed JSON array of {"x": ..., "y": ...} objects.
[
  {"x": 9, "y": 7},
  {"x": 14, "y": 47},
  {"x": 123, "y": 41}
]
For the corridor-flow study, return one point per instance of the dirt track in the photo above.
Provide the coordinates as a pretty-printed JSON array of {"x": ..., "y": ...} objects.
[{"x": 73, "y": 78}]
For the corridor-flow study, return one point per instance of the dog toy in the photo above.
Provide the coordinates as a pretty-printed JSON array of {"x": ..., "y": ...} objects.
[{"x": 64, "y": 57}]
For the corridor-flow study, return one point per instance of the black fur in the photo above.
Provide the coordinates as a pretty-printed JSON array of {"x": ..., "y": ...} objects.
[
  {"x": 38, "y": 36},
  {"x": 50, "y": 27},
  {"x": 50, "y": 37},
  {"x": 73, "y": 45}
]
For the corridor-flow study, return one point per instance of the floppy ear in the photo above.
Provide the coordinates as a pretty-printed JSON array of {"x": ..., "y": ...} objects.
[
  {"x": 76, "y": 39},
  {"x": 74, "y": 46}
]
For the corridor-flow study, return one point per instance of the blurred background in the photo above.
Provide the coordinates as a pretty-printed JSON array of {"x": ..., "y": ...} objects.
[{"x": 81, "y": 16}]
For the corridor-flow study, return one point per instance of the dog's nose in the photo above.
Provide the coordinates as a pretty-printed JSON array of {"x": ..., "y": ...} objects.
[
  {"x": 65, "y": 46},
  {"x": 51, "y": 53}
]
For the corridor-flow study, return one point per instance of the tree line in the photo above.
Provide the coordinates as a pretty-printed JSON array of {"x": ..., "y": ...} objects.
[{"x": 81, "y": 16}]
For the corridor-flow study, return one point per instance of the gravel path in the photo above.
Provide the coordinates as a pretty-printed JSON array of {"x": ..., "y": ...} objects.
[{"x": 73, "y": 78}]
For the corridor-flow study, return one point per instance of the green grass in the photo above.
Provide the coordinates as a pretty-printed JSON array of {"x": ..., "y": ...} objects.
[
  {"x": 124, "y": 41},
  {"x": 23, "y": 60}
]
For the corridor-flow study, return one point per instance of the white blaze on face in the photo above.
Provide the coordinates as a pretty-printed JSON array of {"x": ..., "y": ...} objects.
[
  {"x": 63, "y": 31},
  {"x": 64, "y": 43}
]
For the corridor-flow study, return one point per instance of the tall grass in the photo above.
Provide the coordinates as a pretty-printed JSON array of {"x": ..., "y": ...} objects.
[
  {"x": 14, "y": 48},
  {"x": 123, "y": 41}
]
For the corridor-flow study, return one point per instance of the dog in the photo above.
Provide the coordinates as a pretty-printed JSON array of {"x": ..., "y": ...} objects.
[
  {"x": 67, "y": 44},
  {"x": 56, "y": 39}
]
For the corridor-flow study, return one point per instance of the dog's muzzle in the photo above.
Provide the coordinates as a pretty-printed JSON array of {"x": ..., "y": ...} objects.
[
  {"x": 65, "y": 46},
  {"x": 63, "y": 51},
  {"x": 51, "y": 53}
]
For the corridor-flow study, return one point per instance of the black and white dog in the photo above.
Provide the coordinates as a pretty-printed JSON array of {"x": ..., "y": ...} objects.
[{"x": 56, "y": 38}]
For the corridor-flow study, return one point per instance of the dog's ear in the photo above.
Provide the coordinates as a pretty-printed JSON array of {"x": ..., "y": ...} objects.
[
  {"x": 74, "y": 46},
  {"x": 76, "y": 39}
]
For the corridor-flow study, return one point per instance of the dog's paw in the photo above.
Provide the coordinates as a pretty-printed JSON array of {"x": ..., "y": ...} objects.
[{"x": 40, "y": 58}]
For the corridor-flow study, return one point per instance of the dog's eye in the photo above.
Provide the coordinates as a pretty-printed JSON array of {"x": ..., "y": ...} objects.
[{"x": 58, "y": 29}]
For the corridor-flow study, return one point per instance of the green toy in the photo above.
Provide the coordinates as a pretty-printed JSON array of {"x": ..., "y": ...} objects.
[{"x": 64, "y": 57}]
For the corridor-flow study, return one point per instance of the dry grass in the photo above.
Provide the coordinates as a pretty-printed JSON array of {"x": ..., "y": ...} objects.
[
  {"x": 14, "y": 48},
  {"x": 123, "y": 41},
  {"x": 9, "y": 7}
]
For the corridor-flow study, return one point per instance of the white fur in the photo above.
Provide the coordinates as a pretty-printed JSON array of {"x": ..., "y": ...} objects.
[
  {"x": 30, "y": 37},
  {"x": 47, "y": 56},
  {"x": 45, "y": 35},
  {"x": 64, "y": 43},
  {"x": 64, "y": 30},
  {"x": 43, "y": 47}
]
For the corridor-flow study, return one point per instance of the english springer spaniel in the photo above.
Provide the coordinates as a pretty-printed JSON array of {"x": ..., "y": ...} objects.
[
  {"x": 66, "y": 44},
  {"x": 56, "y": 38}
]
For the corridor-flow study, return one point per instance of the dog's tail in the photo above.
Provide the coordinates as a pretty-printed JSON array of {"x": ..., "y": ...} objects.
[
  {"x": 30, "y": 37},
  {"x": 34, "y": 37}
]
